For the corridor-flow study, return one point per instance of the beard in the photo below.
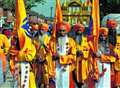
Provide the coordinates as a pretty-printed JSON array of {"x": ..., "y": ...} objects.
[
  {"x": 62, "y": 45},
  {"x": 79, "y": 38}
]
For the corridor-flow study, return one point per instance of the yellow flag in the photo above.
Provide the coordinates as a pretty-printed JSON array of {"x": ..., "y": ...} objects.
[{"x": 27, "y": 49}]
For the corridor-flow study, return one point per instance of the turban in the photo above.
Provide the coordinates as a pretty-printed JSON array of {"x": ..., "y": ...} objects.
[
  {"x": 79, "y": 27},
  {"x": 111, "y": 23},
  {"x": 64, "y": 25},
  {"x": 44, "y": 27},
  {"x": 104, "y": 30}
]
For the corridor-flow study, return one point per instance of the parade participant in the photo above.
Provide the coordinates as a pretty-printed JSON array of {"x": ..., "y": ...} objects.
[
  {"x": 112, "y": 32},
  {"x": 7, "y": 31},
  {"x": 4, "y": 47},
  {"x": 26, "y": 51},
  {"x": 65, "y": 57},
  {"x": 85, "y": 60},
  {"x": 117, "y": 63},
  {"x": 105, "y": 60},
  {"x": 112, "y": 36},
  {"x": 43, "y": 57},
  {"x": 9, "y": 20},
  {"x": 79, "y": 29},
  {"x": 34, "y": 26},
  {"x": 23, "y": 71}
]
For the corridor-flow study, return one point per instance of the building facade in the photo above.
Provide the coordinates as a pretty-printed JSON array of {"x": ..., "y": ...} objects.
[{"x": 76, "y": 10}]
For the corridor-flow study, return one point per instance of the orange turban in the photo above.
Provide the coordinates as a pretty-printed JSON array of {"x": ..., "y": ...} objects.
[
  {"x": 79, "y": 27},
  {"x": 111, "y": 23},
  {"x": 64, "y": 25},
  {"x": 44, "y": 27},
  {"x": 104, "y": 30}
]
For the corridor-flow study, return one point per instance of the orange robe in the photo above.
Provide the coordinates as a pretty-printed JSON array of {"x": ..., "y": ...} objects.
[{"x": 4, "y": 46}]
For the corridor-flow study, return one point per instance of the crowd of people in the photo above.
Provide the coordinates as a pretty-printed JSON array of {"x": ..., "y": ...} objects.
[{"x": 62, "y": 60}]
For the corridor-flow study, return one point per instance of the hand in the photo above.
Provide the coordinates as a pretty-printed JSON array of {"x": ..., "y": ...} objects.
[
  {"x": 14, "y": 52},
  {"x": 94, "y": 55},
  {"x": 79, "y": 53},
  {"x": 55, "y": 57}
]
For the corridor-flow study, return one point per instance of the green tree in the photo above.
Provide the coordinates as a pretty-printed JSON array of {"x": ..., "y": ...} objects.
[{"x": 10, "y": 4}]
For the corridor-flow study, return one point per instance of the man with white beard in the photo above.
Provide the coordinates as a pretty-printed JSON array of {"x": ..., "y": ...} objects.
[{"x": 65, "y": 57}]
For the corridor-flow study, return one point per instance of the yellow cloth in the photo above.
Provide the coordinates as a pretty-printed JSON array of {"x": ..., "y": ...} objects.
[
  {"x": 27, "y": 53},
  {"x": 84, "y": 69},
  {"x": 68, "y": 59},
  {"x": 107, "y": 58},
  {"x": 32, "y": 83},
  {"x": 4, "y": 42},
  {"x": 82, "y": 62},
  {"x": 85, "y": 63}
]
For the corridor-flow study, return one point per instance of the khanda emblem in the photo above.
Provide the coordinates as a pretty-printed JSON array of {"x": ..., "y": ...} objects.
[{"x": 25, "y": 26}]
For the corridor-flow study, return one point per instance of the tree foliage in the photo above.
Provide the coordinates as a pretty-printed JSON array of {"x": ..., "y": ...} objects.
[{"x": 10, "y": 4}]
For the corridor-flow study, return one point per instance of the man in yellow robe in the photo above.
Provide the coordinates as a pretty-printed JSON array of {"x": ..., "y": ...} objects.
[
  {"x": 86, "y": 67},
  {"x": 65, "y": 57},
  {"x": 44, "y": 69},
  {"x": 23, "y": 58}
]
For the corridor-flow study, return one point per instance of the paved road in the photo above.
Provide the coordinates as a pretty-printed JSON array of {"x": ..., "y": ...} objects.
[{"x": 9, "y": 80}]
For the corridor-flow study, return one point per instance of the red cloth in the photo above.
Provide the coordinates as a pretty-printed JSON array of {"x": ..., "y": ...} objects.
[{"x": 72, "y": 83}]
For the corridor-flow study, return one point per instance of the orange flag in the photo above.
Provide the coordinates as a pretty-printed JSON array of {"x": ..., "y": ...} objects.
[
  {"x": 58, "y": 16},
  {"x": 58, "y": 13},
  {"x": 96, "y": 22},
  {"x": 57, "y": 20}
]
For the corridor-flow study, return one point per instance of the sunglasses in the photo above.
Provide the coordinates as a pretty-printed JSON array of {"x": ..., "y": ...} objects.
[{"x": 61, "y": 30}]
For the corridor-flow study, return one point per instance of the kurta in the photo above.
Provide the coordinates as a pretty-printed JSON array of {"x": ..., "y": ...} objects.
[
  {"x": 66, "y": 50},
  {"x": 104, "y": 64}
]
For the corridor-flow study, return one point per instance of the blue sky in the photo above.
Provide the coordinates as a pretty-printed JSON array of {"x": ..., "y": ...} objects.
[{"x": 45, "y": 9}]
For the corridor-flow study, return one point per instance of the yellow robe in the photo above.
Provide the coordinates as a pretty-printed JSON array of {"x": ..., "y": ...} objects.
[
  {"x": 117, "y": 63},
  {"x": 43, "y": 53},
  {"x": 85, "y": 64},
  {"x": 27, "y": 53},
  {"x": 70, "y": 58},
  {"x": 4, "y": 46}
]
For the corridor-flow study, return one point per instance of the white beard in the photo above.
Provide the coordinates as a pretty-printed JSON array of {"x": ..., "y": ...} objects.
[
  {"x": 79, "y": 39},
  {"x": 62, "y": 45},
  {"x": 41, "y": 38}
]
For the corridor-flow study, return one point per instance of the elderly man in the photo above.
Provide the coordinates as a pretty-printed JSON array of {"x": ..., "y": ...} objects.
[{"x": 65, "y": 57}]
